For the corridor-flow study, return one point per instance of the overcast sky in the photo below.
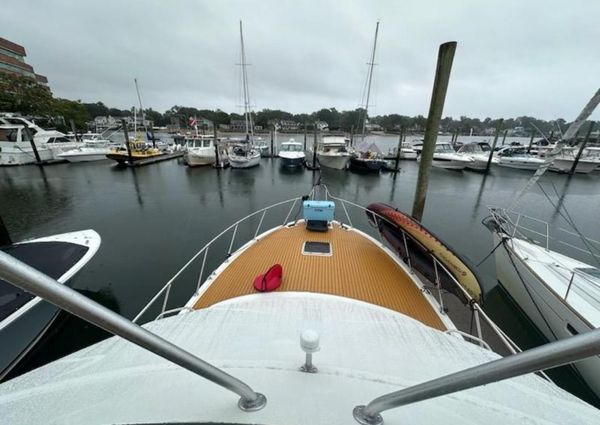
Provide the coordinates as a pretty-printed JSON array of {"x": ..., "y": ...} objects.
[{"x": 514, "y": 57}]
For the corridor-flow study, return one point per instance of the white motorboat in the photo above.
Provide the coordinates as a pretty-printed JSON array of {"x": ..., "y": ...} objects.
[
  {"x": 90, "y": 151},
  {"x": 588, "y": 162},
  {"x": 25, "y": 318},
  {"x": 406, "y": 152},
  {"x": 243, "y": 156},
  {"x": 332, "y": 152},
  {"x": 16, "y": 148},
  {"x": 53, "y": 140},
  {"x": 291, "y": 154},
  {"x": 200, "y": 150},
  {"x": 479, "y": 153},
  {"x": 319, "y": 323},
  {"x": 560, "y": 295},
  {"x": 444, "y": 156},
  {"x": 261, "y": 145},
  {"x": 517, "y": 157}
]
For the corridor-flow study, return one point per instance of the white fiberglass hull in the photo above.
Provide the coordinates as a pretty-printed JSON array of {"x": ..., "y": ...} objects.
[
  {"x": 58, "y": 149},
  {"x": 449, "y": 161},
  {"x": 291, "y": 159},
  {"x": 16, "y": 153},
  {"x": 249, "y": 161},
  {"x": 85, "y": 155},
  {"x": 520, "y": 163},
  {"x": 545, "y": 308},
  {"x": 337, "y": 162},
  {"x": 408, "y": 154},
  {"x": 199, "y": 158},
  {"x": 562, "y": 165}
]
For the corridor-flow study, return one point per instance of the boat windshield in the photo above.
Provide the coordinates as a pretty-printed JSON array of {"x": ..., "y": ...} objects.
[
  {"x": 444, "y": 148},
  {"x": 291, "y": 147},
  {"x": 470, "y": 148}
]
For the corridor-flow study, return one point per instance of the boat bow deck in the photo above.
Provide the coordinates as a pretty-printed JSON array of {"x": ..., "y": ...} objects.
[{"x": 358, "y": 269}]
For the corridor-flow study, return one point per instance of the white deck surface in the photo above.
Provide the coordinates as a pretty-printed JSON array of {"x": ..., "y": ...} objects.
[
  {"x": 366, "y": 351},
  {"x": 555, "y": 270}
]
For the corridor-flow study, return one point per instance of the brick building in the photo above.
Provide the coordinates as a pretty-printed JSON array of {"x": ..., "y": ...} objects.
[{"x": 12, "y": 59}]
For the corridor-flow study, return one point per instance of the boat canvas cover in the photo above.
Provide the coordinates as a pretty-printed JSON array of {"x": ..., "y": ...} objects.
[{"x": 51, "y": 258}]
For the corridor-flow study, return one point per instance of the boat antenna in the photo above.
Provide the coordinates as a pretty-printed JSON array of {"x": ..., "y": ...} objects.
[
  {"x": 137, "y": 89},
  {"x": 246, "y": 90},
  {"x": 568, "y": 135},
  {"x": 369, "y": 81}
]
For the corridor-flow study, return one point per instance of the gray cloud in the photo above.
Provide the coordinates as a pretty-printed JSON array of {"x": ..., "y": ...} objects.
[{"x": 513, "y": 58}]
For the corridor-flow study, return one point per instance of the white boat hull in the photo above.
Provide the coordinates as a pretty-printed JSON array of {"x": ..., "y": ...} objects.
[
  {"x": 22, "y": 154},
  {"x": 244, "y": 161},
  {"x": 406, "y": 154},
  {"x": 193, "y": 159},
  {"x": 546, "y": 309},
  {"x": 520, "y": 163},
  {"x": 85, "y": 156},
  {"x": 564, "y": 166},
  {"x": 337, "y": 162}
]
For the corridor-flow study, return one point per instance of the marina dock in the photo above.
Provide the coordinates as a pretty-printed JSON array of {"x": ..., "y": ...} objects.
[{"x": 155, "y": 159}]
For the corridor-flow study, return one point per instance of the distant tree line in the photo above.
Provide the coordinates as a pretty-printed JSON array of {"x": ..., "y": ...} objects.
[{"x": 23, "y": 95}]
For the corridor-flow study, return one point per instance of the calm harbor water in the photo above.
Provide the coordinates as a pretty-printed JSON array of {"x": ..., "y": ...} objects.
[{"x": 153, "y": 219}]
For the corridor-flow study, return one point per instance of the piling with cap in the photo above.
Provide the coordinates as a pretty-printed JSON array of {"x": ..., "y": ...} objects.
[
  {"x": 314, "y": 164},
  {"x": 398, "y": 149},
  {"x": 33, "y": 146},
  {"x": 438, "y": 97},
  {"x": 498, "y": 128},
  {"x": 126, "y": 134},
  {"x": 216, "y": 143}
]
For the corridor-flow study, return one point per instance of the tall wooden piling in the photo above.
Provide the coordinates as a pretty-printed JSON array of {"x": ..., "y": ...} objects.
[
  {"x": 216, "y": 143},
  {"x": 32, "y": 142},
  {"x": 314, "y": 161},
  {"x": 496, "y": 134},
  {"x": 436, "y": 107},
  {"x": 504, "y": 136},
  {"x": 272, "y": 137},
  {"x": 152, "y": 137},
  {"x": 74, "y": 130},
  {"x": 582, "y": 147},
  {"x": 531, "y": 140},
  {"x": 126, "y": 134},
  {"x": 351, "y": 136},
  {"x": 305, "y": 137},
  {"x": 398, "y": 150}
]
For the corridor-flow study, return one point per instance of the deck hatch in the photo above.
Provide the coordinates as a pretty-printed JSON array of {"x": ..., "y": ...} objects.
[{"x": 316, "y": 248}]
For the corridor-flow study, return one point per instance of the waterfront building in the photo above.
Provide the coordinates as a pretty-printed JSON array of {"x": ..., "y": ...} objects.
[{"x": 12, "y": 60}]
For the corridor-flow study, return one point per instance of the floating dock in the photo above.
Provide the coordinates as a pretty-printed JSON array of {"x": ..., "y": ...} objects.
[{"x": 154, "y": 159}]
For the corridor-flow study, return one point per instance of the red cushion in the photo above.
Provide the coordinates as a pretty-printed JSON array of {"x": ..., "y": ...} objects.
[{"x": 270, "y": 280}]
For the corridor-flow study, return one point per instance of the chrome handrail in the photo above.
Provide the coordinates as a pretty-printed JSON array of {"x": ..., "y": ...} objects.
[
  {"x": 43, "y": 286},
  {"x": 516, "y": 228},
  {"x": 547, "y": 356},
  {"x": 167, "y": 287}
]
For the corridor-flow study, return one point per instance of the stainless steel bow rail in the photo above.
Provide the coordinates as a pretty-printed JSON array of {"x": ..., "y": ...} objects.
[
  {"x": 31, "y": 280},
  {"x": 545, "y": 357},
  {"x": 478, "y": 312},
  {"x": 166, "y": 289}
]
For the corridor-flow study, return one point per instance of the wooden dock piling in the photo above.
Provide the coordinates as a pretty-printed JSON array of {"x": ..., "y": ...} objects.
[
  {"x": 126, "y": 134},
  {"x": 398, "y": 150},
  {"x": 531, "y": 140},
  {"x": 504, "y": 136},
  {"x": 304, "y": 137},
  {"x": 272, "y": 137},
  {"x": 582, "y": 147},
  {"x": 216, "y": 143},
  {"x": 496, "y": 134},
  {"x": 438, "y": 97},
  {"x": 74, "y": 130},
  {"x": 314, "y": 164},
  {"x": 33, "y": 146}
]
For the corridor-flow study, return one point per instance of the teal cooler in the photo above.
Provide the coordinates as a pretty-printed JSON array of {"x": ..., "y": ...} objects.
[{"x": 318, "y": 214}]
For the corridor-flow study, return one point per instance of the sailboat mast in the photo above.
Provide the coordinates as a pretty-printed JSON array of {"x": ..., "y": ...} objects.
[
  {"x": 137, "y": 89},
  {"x": 247, "y": 114},
  {"x": 369, "y": 80}
]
